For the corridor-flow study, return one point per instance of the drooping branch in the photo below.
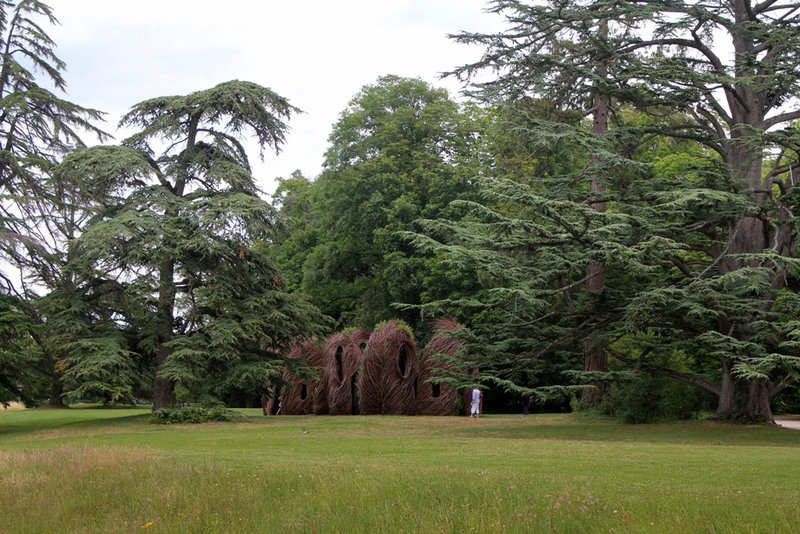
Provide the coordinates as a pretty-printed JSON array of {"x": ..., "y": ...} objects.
[{"x": 691, "y": 379}]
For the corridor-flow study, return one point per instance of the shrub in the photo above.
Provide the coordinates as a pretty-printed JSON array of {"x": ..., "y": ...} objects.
[
  {"x": 192, "y": 414},
  {"x": 787, "y": 401},
  {"x": 650, "y": 397}
]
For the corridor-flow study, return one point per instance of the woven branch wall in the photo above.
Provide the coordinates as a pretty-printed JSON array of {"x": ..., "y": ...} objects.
[
  {"x": 343, "y": 355},
  {"x": 440, "y": 399},
  {"x": 389, "y": 374},
  {"x": 303, "y": 396}
]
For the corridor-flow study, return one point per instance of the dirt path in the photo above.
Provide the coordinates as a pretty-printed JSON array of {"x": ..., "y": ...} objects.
[{"x": 789, "y": 422}]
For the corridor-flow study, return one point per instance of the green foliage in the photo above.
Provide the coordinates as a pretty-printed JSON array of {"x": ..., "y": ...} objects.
[
  {"x": 95, "y": 356},
  {"x": 192, "y": 414},
  {"x": 183, "y": 232},
  {"x": 691, "y": 244},
  {"x": 401, "y": 150},
  {"x": 787, "y": 402},
  {"x": 102, "y": 367},
  {"x": 37, "y": 218},
  {"x": 229, "y": 110},
  {"x": 649, "y": 398},
  {"x": 21, "y": 366},
  {"x": 36, "y": 126},
  {"x": 296, "y": 235}
]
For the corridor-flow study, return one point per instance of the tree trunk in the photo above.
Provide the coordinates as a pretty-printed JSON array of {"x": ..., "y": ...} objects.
[
  {"x": 163, "y": 388},
  {"x": 596, "y": 279},
  {"x": 758, "y": 401},
  {"x": 594, "y": 357},
  {"x": 741, "y": 400},
  {"x": 56, "y": 392},
  {"x": 746, "y": 399},
  {"x": 726, "y": 405}
]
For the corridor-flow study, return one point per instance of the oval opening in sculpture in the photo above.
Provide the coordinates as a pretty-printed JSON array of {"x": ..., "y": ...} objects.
[
  {"x": 339, "y": 368},
  {"x": 402, "y": 361}
]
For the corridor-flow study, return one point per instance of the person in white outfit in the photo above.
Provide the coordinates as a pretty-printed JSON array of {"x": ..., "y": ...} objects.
[{"x": 475, "y": 407}]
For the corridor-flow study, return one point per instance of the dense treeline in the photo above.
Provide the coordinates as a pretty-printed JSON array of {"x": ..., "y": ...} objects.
[{"x": 610, "y": 217}]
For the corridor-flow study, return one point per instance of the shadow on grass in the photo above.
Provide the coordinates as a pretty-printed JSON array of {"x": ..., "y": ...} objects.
[
  {"x": 41, "y": 423},
  {"x": 573, "y": 427},
  {"x": 21, "y": 422}
]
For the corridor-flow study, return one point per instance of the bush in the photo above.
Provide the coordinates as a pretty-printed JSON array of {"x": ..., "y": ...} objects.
[
  {"x": 192, "y": 414},
  {"x": 787, "y": 401},
  {"x": 650, "y": 397}
]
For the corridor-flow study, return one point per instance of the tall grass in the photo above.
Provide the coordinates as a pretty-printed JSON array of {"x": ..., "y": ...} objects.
[{"x": 81, "y": 472}]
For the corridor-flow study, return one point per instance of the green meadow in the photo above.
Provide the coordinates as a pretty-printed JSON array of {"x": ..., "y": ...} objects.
[{"x": 108, "y": 470}]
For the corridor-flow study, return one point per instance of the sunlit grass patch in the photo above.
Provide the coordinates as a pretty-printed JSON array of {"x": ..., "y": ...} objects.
[{"x": 395, "y": 474}]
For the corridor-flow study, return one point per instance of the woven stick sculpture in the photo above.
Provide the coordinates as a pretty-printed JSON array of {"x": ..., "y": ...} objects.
[
  {"x": 389, "y": 374},
  {"x": 441, "y": 398},
  {"x": 343, "y": 354},
  {"x": 303, "y": 396}
]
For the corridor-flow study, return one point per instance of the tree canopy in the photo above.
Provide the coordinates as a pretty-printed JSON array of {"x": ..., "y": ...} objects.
[
  {"x": 181, "y": 237},
  {"x": 612, "y": 206},
  {"x": 401, "y": 150},
  {"x": 703, "y": 258},
  {"x": 37, "y": 127}
]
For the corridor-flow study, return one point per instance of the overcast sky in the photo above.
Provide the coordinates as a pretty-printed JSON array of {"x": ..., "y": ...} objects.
[{"x": 317, "y": 53}]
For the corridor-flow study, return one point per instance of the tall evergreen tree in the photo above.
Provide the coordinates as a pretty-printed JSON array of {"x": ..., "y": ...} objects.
[
  {"x": 180, "y": 236},
  {"x": 723, "y": 272},
  {"x": 37, "y": 127}
]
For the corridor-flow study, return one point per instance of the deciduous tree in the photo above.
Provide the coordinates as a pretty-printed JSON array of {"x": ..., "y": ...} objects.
[{"x": 401, "y": 150}]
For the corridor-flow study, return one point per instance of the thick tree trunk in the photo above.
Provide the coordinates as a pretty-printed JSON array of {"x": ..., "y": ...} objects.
[
  {"x": 758, "y": 401},
  {"x": 726, "y": 405},
  {"x": 596, "y": 279},
  {"x": 164, "y": 389},
  {"x": 594, "y": 356},
  {"x": 56, "y": 392},
  {"x": 594, "y": 359},
  {"x": 746, "y": 399},
  {"x": 741, "y": 400}
]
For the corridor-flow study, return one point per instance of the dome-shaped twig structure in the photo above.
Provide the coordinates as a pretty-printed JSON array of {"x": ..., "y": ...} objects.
[
  {"x": 439, "y": 398},
  {"x": 388, "y": 381},
  {"x": 343, "y": 355},
  {"x": 301, "y": 395}
]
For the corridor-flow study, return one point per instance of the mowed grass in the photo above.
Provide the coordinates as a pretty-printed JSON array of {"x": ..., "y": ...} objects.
[{"x": 94, "y": 470}]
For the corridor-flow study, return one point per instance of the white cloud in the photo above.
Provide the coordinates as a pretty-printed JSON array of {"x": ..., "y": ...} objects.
[{"x": 317, "y": 53}]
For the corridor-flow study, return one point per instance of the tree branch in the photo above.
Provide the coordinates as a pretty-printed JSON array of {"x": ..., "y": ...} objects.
[
  {"x": 691, "y": 379},
  {"x": 778, "y": 119}
]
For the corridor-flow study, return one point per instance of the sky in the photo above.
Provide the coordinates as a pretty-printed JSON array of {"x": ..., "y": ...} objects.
[{"x": 317, "y": 53}]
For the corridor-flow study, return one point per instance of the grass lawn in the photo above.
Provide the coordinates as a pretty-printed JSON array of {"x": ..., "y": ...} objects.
[{"x": 108, "y": 470}]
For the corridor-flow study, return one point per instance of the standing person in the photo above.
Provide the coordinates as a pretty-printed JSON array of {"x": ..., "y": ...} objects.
[
  {"x": 526, "y": 406},
  {"x": 475, "y": 407}
]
